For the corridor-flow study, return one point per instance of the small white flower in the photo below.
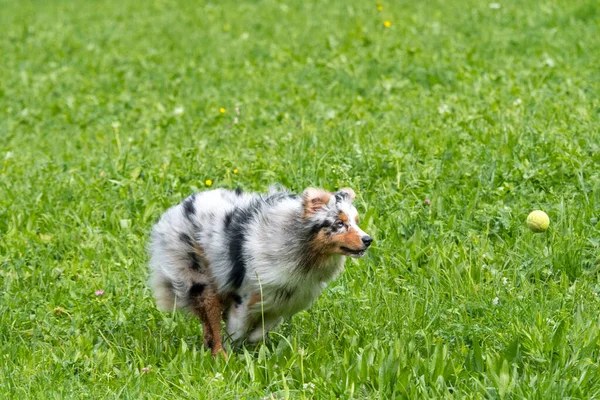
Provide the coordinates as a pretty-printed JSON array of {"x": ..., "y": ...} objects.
[
  {"x": 443, "y": 109},
  {"x": 235, "y": 120},
  {"x": 115, "y": 125},
  {"x": 309, "y": 386},
  {"x": 549, "y": 62},
  {"x": 517, "y": 102},
  {"x": 179, "y": 111},
  {"x": 8, "y": 155},
  {"x": 505, "y": 281},
  {"x": 495, "y": 301},
  {"x": 495, "y": 6},
  {"x": 218, "y": 376}
]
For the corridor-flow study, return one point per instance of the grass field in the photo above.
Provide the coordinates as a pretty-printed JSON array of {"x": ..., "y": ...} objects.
[{"x": 112, "y": 111}]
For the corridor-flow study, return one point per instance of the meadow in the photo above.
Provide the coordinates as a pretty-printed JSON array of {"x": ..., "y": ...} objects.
[{"x": 452, "y": 120}]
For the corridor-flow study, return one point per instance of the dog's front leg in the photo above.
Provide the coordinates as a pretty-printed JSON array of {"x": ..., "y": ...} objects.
[
  {"x": 238, "y": 322},
  {"x": 207, "y": 306}
]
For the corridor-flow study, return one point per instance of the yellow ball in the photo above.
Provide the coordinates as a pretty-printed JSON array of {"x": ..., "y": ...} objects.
[{"x": 538, "y": 221}]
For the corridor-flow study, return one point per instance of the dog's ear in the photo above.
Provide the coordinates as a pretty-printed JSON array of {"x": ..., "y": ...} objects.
[
  {"x": 314, "y": 200},
  {"x": 348, "y": 193}
]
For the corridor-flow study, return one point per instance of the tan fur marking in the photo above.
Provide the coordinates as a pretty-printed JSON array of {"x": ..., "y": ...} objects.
[
  {"x": 200, "y": 251},
  {"x": 321, "y": 242},
  {"x": 324, "y": 244},
  {"x": 343, "y": 217},
  {"x": 320, "y": 247},
  {"x": 212, "y": 306},
  {"x": 255, "y": 298},
  {"x": 314, "y": 200},
  {"x": 350, "y": 239},
  {"x": 209, "y": 308}
]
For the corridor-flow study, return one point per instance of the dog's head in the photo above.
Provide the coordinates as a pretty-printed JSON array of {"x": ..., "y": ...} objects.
[{"x": 333, "y": 222}]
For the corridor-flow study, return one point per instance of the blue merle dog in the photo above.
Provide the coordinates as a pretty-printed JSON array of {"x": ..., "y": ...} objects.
[{"x": 251, "y": 259}]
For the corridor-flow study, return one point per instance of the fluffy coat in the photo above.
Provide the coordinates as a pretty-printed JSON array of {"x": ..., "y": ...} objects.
[{"x": 252, "y": 259}]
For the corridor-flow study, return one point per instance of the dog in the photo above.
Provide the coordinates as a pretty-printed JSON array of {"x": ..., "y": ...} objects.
[{"x": 251, "y": 259}]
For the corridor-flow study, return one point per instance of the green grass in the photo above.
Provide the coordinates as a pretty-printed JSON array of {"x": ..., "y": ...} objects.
[{"x": 490, "y": 113}]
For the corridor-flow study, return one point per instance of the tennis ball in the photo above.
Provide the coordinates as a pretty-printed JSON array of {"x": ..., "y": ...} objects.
[{"x": 538, "y": 221}]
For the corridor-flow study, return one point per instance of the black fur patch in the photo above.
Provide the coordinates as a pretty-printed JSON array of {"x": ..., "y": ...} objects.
[
  {"x": 196, "y": 290},
  {"x": 236, "y": 298},
  {"x": 195, "y": 263},
  {"x": 340, "y": 196},
  {"x": 238, "y": 270},
  {"x": 210, "y": 344},
  {"x": 228, "y": 219},
  {"x": 185, "y": 238},
  {"x": 237, "y": 237},
  {"x": 188, "y": 207},
  {"x": 239, "y": 191},
  {"x": 317, "y": 227},
  {"x": 284, "y": 294}
]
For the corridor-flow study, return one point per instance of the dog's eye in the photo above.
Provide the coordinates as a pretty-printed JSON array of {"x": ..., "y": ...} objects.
[{"x": 338, "y": 224}]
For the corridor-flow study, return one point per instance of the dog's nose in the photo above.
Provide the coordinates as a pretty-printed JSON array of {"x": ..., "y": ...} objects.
[{"x": 367, "y": 240}]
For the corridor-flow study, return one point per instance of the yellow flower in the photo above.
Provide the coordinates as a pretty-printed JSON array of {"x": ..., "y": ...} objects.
[
  {"x": 330, "y": 123},
  {"x": 235, "y": 171},
  {"x": 222, "y": 110},
  {"x": 208, "y": 182},
  {"x": 379, "y": 8},
  {"x": 387, "y": 24}
]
